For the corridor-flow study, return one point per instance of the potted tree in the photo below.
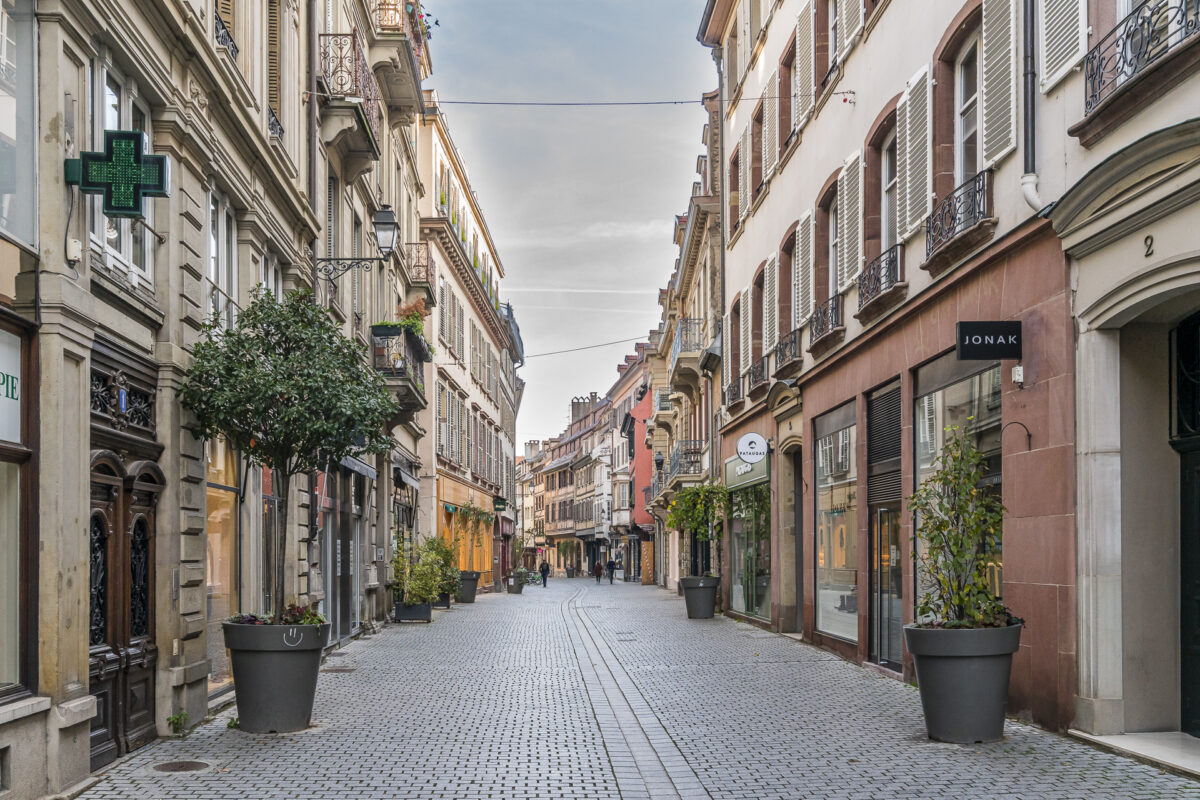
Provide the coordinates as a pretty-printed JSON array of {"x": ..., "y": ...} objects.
[
  {"x": 964, "y": 638},
  {"x": 450, "y": 582},
  {"x": 517, "y": 580},
  {"x": 699, "y": 510},
  {"x": 417, "y": 584},
  {"x": 291, "y": 393},
  {"x": 564, "y": 555},
  {"x": 470, "y": 520}
]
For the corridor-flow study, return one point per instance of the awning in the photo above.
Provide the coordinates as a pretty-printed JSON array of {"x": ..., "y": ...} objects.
[
  {"x": 354, "y": 465},
  {"x": 408, "y": 479}
]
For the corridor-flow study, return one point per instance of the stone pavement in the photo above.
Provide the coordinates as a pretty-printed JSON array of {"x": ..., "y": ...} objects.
[{"x": 587, "y": 691}]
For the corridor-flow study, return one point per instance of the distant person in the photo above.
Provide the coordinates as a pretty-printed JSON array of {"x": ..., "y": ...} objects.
[
  {"x": 598, "y": 570},
  {"x": 612, "y": 569},
  {"x": 545, "y": 570}
]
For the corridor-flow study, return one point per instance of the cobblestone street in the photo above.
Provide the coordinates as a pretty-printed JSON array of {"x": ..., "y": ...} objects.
[{"x": 597, "y": 691}]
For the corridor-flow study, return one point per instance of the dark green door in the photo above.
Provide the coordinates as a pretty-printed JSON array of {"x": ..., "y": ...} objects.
[{"x": 1189, "y": 584}]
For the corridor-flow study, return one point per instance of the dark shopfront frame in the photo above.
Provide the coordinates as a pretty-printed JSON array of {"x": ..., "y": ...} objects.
[
  {"x": 753, "y": 476},
  {"x": 25, "y": 455}
]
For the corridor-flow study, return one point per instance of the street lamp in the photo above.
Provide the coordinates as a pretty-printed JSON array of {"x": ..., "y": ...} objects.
[
  {"x": 386, "y": 229},
  {"x": 658, "y": 461}
]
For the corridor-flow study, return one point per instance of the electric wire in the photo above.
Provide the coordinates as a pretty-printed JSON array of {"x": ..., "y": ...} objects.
[
  {"x": 609, "y": 103},
  {"x": 586, "y": 347}
]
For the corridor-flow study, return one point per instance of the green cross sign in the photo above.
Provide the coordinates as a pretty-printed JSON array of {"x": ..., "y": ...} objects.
[{"x": 123, "y": 173}]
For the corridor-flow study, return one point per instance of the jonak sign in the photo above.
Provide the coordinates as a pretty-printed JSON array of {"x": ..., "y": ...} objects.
[{"x": 988, "y": 341}]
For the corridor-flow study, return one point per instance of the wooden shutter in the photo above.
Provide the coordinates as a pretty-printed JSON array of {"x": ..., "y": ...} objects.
[
  {"x": 747, "y": 329},
  {"x": 441, "y": 419},
  {"x": 747, "y": 46},
  {"x": 274, "y": 56},
  {"x": 770, "y": 137},
  {"x": 804, "y": 85},
  {"x": 471, "y": 437},
  {"x": 999, "y": 95},
  {"x": 756, "y": 21},
  {"x": 802, "y": 269},
  {"x": 461, "y": 349},
  {"x": 849, "y": 26},
  {"x": 745, "y": 164},
  {"x": 901, "y": 159},
  {"x": 727, "y": 350},
  {"x": 770, "y": 304},
  {"x": 1063, "y": 25},
  {"x": 849, "y": 221},
  {"x": 915, "y": 168},
  {"x": 226, "y": 9}
]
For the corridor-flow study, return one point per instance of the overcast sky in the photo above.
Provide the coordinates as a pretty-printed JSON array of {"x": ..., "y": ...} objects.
[{"x": 580, "y": 201}]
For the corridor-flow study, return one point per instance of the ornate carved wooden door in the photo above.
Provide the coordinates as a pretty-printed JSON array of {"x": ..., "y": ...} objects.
[{"x": 122, "y": 649}]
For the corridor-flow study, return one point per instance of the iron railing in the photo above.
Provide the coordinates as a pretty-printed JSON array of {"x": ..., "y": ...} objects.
[
  {"x": 662, "y": 400},
  {"x": 963, "y": 209},
  {"x": 274, "y": 126},
  {"x": 687, "y": 338},
  {"x": 733, "y": 392},
  {"x": 656, "y": 484},
  {"x": 759, "y": 373},
  {"x": 347, "y": 74},
  {"x": 880, "y": 275},
  {"x": 686, "y": 457},
  {"x": 401, "y": 356},
  {"x": 224, "y": 37},
  {"x": 420, "y": 265},
  {"x": 646, "y": 495},
  {"x": 788, "y": 349},
  {"x": 826, "y": 318},
  {"x": 391, "y": 17},
  {"x": 1153, "y": 29}
]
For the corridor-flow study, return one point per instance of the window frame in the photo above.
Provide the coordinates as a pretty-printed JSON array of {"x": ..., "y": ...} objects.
[
  {"x": 222, "y": 256},
  {"x": 967, "y": 105},
  {"x": 889, "y": 235},
  {"x": 21, "y": 453}
]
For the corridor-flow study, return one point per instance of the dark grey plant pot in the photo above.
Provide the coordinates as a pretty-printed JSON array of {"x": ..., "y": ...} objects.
[
  {"x": 420, "y": 612},
  {"x": 514, "y": 584},
  {"x": 275, "y": 674},
  {"x": 963, "y": 677},
  {"x": 700, "y": 596},
  {"x": 468, "y": 587},
  {"x": 387, "y": 331},
  {"x": 570, "y": 572},
  {"x": 443, "y": 601}
]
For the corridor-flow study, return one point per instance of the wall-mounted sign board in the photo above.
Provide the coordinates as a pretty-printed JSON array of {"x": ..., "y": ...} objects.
[
  {"x": 988, "y": 341},
  {"x": 124, "y": 173}
]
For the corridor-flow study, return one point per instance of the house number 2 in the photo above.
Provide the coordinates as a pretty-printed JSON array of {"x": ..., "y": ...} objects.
[{"x": 1149, "y": 242}]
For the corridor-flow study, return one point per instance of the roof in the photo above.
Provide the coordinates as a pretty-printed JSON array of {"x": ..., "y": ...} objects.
[{"x": 561, "y": 461}]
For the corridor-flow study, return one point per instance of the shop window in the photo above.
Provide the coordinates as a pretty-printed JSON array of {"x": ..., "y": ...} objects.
[
  {"x": 18, "y": 145},
  {"x": 750, "y": 551},
  {"x": 837, "y": 524},
  {"x": 223, "y": 535}
]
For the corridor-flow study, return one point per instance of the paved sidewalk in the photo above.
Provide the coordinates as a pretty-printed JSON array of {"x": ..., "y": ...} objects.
[{"x": 586, "y": 691}]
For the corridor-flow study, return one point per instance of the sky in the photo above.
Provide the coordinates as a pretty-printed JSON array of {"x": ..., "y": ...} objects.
[{"x": 580, "y": 201}]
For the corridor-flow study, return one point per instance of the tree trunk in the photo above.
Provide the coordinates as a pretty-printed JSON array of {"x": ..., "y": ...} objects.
[{"x": 281, "y": 543}]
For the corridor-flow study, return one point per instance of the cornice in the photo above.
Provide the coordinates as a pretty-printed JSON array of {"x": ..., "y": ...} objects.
[{"x": 440, "y": 230}]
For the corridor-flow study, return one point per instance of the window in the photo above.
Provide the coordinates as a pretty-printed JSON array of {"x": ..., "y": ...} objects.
[
  {"x": 272, "y": 275},
  {"x": 966, "y": 106},
  {"x": 222, "y": 258},
  {"x": 356, "y": 289},
  {"x": 223, "y": 534},
  {"x": 837, "y": 524},
  {"x": 18, "y": 124},
  {"x": 889, "y": 183},
  {"x": 735, "y": 172},
  {"x": 17, "y": 628},
  {"x": 756, "y": 149},
  {"x": 832, "y": 266},
  {"x": 123, "y": 245}
]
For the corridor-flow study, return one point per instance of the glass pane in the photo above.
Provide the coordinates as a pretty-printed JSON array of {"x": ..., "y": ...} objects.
[
  {"x": 10, "y": 574},
  {"x": 968, "y": 77},
  {"x": 222, "y": 566},
  {"x": 18, "y": 122},
  {"x": 138, "y": 231},
  {"x": 837, "y": 534}
]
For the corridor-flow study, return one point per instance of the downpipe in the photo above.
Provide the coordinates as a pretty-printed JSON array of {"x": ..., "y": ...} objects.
[{"x": 1029, "y": 181}]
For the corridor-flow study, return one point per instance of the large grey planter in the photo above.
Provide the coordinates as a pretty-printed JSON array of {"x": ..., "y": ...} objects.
[
  {"x": 275, "y": 674},
  {"x": 963, "y": 678},
  {"x": 514, "y": 584},
  {"x": 443, "y": 601},
  {"x": 700, "y": 596},
  {"x": 468, "y": 587},
  {"x": 420, "y": 612},
  {"x": 570, "y": 572}
]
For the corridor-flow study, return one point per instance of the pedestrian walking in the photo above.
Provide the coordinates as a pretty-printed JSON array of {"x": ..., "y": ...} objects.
[
  {"x": 612, "y": 569},
  {"x": 598, "y": 570},
  {"x": 545, "y": 570}
]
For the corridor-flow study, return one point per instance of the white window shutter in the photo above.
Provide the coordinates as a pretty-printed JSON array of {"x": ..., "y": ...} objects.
[
  {"x": 849, "y": 26},
  {"x": 901, "y": 160},
  {"x": 850, "y": 221},
  {"x": 744, "y": 37},
  {"x": 802, "y": 68},
  {"x": 999, "y": 96},
  {"x": 461, "y": 335},
  {"x": 440, "y": 421},
  {"x": 917, "y": 153},
  {"x": 745, "y": 160},
  {"x": 442, "y": 308},
  {"x": 747, "y": 330},
  {"x": 727, "y": 351},
  {"x": 770, "y": 139},
  {"x": 802, "y": 266},
  {"x": 1063, "y": 25},
  {"x": 770, "y": 304}
]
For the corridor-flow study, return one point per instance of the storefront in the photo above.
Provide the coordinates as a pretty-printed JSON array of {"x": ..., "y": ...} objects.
[
  {"x": 223, "y": 570},
  {"x": 17, "y": 551},
  {"x": 749, "y": 536}
]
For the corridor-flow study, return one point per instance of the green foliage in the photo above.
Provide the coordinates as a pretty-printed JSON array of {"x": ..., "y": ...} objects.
[
  {"x": 178, "y": 722},
  {"x": 700, "y": 510},
  {"x": 234, "y": 723},
  {"x": 288, "y": 391},
  {"x": 442, "y": 552},
  {"x": 959, "y": 525},
  {"x": 470, "y": 521},
  {"x": 417, "y": 580}
]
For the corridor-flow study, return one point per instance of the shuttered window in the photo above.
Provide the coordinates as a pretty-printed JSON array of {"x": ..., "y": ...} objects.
[
  {"x": 274, "y": 56},
  {"x": 747, "y": 46},
  {"x": 803, "y": 84},
  {"x": 331, "y": 204},
  {"x": 770, "y": 305},
  {"x": 770, "y": 134},
  {"x": 999, "y": 94},
  {"x": 747, "y": 317},
  {"x": 459, "y": 335},
  {"x": 227, "y": 10},
  {"x": 1063, "y": 25},
  {"x": 850, "y": 25},
  {"x": 441, "y": 419},
  {"x": 745, "y": 161},
  {"x": 802, "y": 268},
  {"x": 727, "y": 351},
  {"x": 443, "y": 310},
  {"x": 912, "y": 134},
  {"x": 849, "y": 221}
]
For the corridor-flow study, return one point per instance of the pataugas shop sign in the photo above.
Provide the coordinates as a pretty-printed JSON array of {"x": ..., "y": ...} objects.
[
  {"x": 750, "y": 465},
  {"x": 10, "y": 387}
]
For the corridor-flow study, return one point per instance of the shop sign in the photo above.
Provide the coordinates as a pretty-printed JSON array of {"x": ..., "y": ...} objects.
[
  {"x": 752, "y": 448},
  {"x": 743, "y": 473},
  {"x": 124, "y": 173},
  {"x": 988, "y": 341},
  {"x": 10, "y": 387},
  {"x": 499, "y": 504}
]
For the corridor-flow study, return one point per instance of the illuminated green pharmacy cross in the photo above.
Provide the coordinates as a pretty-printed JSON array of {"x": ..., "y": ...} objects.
[{"x": 124, "y": 174}]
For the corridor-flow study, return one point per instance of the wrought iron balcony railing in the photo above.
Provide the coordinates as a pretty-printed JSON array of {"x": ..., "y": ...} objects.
[
  {"x": 788, "y": 349},
  {"x": 224, "y": 37},
  {"x": 733, "y": 392},
  {"x": 880, "y": 275},
  {"x": 646, "y": 495},
  {"x": 686, "y": 458},
  {"x": 391, "y": 16},
  {"x": 687, "y": 338},
  {"x": 420, "y": 266},
  {"x": 657, "y": 484},
  {"x": 759, "y": 374},
  {"x": 347, "y": 74},
  {"x": 274, "y": 126},
  {"x": 963, "y": 209},
  {"x": 402, "y": 355},
  {"x": 826, "y": 318},
  {"x": 1152, "y": 30}
]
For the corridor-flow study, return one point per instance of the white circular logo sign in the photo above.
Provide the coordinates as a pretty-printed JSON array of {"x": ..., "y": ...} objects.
[{"x": 752, "y": 448}]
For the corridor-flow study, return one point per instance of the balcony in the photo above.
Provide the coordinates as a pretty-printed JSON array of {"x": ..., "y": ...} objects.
[
  {"x": 664, "y": 411},
  {"x": 687, "y": 461},
  {"x": 421, "y": 275},
  {"x": 959, "y": 223},
  {"x": 759, "y": 376},
  {"x": 733, "y": 392},
  {"x": 881, "y": 283},
  {"x": 788, "y": 356},
  {"x": 1134, "y": 53},
  {"x": 400, "y": 356},
  {"x": 684, "y": 372},
  {"x": 224, "y": 37},
  {"x": 396, "y": 54},
  {"x": 825, "y": 327},
  {"x": 351, "y": 117},
  {"x": 658, "y": 485}
]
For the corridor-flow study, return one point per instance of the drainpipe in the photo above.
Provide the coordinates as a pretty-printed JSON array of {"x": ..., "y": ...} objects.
[
  {"x": 718, "y": 55},
  {"x": 313, "y": 47},
  {"x": 1029, "y": 181}
]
